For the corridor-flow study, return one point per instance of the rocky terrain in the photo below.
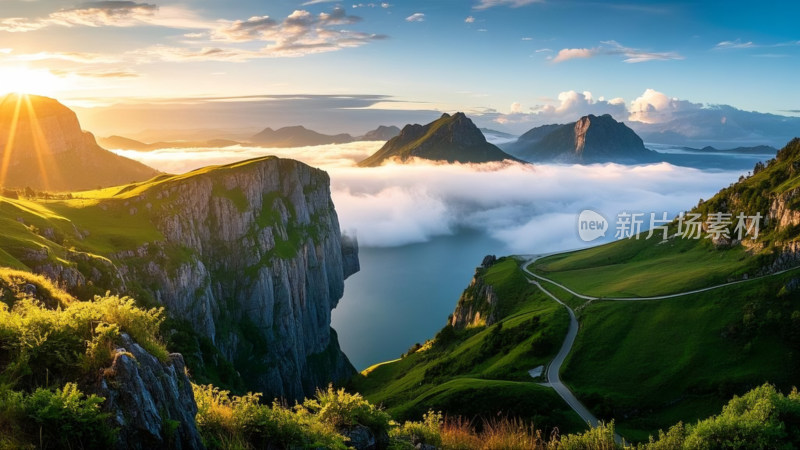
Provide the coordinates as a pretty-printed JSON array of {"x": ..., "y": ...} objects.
[
  {"x": 591, "y": 139},
  {"x": 450, "y": 138},
  {"x": 46, "y": 149},
  {"x": 477, "y": 305},
  {"x": 249, "y": 256}
]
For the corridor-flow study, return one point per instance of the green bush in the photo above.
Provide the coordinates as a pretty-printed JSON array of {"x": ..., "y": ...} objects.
[
  {"x": 242, "y": 422},
  {"x": 342, "y": 410},
  {"x": 64, "y": 418},
  {"x": 45, "y": 346}
]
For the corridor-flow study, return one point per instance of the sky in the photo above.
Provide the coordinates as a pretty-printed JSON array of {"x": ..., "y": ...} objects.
[{"x": 508, "y": 60}]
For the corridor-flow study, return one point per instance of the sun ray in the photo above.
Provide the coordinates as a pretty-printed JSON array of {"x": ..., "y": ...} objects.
[
  {"x": 9, "y": 148},
  {"x": 41, "y": 148}
]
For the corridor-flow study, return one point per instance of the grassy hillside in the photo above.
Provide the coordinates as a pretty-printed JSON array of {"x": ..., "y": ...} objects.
[
  {"x": 483, "y": 370},
  {"x": 647, "y": 364}
]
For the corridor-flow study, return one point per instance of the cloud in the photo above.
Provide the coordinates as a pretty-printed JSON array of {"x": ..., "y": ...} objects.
[
  {"x": 655, "y": 107},
  {"x": 613, "y": 48},
  {"x": 110, "y": 14},
  {"x": 530, "y": 208},
  {"x": 95, "y": 73},
  {"x": 568, "y": 107},
  {"x": 416, "y": 17},
  {"x": 486, "y": 4},
  {"x": 738, "y": 45},
  {"x": 469, "y": 19},
  {"x": 566, "y": 54},
  {"x": 300, "y": 33}
]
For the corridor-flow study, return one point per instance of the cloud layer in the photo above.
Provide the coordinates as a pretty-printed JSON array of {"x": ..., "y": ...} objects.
[{"x": 529, "y": 208}]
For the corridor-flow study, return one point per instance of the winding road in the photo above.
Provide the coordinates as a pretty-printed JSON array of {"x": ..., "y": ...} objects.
[{"x": 554, "y": 368}]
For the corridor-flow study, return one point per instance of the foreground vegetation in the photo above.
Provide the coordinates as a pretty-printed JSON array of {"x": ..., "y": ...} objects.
[{"x": 763, "y": 418}]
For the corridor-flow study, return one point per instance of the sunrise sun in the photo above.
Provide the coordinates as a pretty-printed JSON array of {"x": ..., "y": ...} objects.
[{"x": 23, "y": 80}]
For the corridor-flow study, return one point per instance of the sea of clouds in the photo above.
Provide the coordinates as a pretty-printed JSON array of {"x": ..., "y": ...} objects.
[{"x": 530, "y": 208}]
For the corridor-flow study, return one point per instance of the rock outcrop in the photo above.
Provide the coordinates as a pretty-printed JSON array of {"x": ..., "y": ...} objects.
[
  {"x": 150, "y": 402},
  {"x": 253, "y": 258},
  {"x": 477, "y": 305},
  {"x": 249, "y": 256},
  {"x": 450, "y": 138},
  {"x": 46, "y": 149},
  {"x": 591, "y": 139}
]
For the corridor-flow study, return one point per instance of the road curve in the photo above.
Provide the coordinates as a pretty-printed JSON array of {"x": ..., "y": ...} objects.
[
  {"x": 553, "y": 369},
  {"x": 639, "y": 299}
]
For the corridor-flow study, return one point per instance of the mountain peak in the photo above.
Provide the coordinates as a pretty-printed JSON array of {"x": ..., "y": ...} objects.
[
  {"x": 45, "y": 148},
  {"x": 450, "y": 138},
  {"x": 589, "y": 139}
]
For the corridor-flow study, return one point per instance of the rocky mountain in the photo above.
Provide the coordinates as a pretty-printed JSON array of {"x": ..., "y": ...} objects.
[
  {"x": 591, "y": 139},
  {"x": 297, "y": 136},
  {"x": 123, "y": 143},
  {"x": 248, "y": 259},
  {"x": 382, "y": 133},
  {"x": 450, "y": 138},
  {"x": 45, "y": 149}
]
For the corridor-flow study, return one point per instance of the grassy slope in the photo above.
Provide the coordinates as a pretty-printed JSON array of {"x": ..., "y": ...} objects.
[
  {"x": 641, "y": 268},
  {"x": 651, "y": 364},
  {"x": 466, "y": 374}
]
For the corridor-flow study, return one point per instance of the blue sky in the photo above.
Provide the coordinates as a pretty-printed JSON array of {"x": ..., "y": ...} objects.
[{"x": 497, "y": 56}]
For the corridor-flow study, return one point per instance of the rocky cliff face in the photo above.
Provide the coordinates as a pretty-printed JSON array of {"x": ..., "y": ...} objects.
[
  {"x": 450, "y": 138},
  {"x": 589, "y": 139},
  {"x": 150, "y": 402},
  {"x": 477, "y": 305},
  {"x": 248, "y": 256},
  {"x": 253, "y": 258}
]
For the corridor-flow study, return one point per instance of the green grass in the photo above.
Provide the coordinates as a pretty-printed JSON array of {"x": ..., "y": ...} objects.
[
  {"x": 486, "y": 364},
  {"x": 642, "y": 268},
  {"x": 650, "y": 364}
]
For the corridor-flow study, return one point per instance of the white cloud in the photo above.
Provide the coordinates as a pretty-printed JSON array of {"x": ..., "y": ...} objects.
[
  {"x": 655, "y": 107},
  {"x": 531, "y": 208},
  {"x": 109, "y": 14},
  {"x": 566, "y": 54},
  {"x": 613, "y": 48},
  {"x": 416, "y": 17},
  {"x": 469, "y": 19},
  {"x": 486, "y": 4},
  {"x": 516, "y": 108}
]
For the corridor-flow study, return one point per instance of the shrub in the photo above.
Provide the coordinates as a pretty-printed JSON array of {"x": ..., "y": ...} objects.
[
  {"x": 242, "y": 422},
  {"x": 342, "y": 410},
  {"x": 428, "y": 431},
  {"x": 64, "y": 418},
  {"x": 46, "y": 346}
]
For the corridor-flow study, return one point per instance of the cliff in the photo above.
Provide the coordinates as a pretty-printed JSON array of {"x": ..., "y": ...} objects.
[
  {"x": 773, "y": 191},
  {"x": 590, "y": 139},
  {"x": 477, "y": 305},
  {"x": 247, "y": 257},
  {"x": 45, "y": 148},
  {"x": 450, "y": 138}
]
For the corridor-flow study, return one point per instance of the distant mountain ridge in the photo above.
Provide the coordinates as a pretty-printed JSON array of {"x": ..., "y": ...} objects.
[
  {"x": 123, "y": 143},
  {"x": 590, "y": 139},
  {"x": 450, "y": 138},
  {"x": 45, "y": 148}
]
